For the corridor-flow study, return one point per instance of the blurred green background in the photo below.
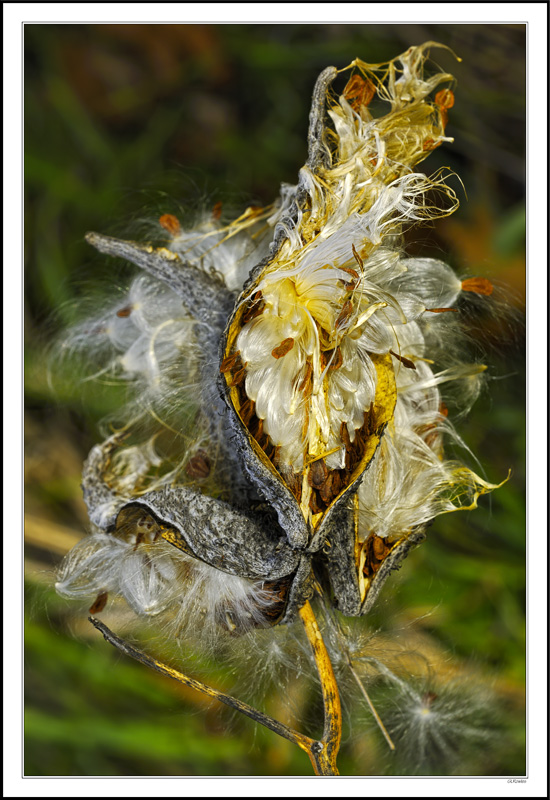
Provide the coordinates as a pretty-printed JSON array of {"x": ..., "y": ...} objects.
[{"x": 122, "y": 121}]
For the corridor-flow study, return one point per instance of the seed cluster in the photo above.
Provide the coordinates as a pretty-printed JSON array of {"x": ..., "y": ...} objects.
[{"x": 315, "y": 451}]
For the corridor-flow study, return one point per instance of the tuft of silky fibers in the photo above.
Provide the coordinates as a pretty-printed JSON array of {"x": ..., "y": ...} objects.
[
  {"x": 439, "y": 727},
  {"x": 343, "y": 286},
  {"x": 144, "y": 342},
  {"x": 157, "y": 580}
]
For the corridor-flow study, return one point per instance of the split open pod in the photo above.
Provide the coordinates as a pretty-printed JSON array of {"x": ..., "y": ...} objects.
[{"x": 319, "y": 350}]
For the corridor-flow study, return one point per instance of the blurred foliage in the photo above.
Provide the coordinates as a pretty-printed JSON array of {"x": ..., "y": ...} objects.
[{"x": 123, "y": 122}]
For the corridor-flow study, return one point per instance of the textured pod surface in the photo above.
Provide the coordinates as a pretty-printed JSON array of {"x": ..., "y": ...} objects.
[{"x": 250, "y": 545}]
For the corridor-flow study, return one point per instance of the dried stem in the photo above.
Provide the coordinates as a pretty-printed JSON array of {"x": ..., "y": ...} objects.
[
  {"x": 321, "y": 753},
  {"x": 373, "y": 710},
  {"x": 324, "y": 759}
]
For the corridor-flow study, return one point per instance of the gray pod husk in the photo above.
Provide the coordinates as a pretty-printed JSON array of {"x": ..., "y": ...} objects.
[{"x": 244, "y": 543}]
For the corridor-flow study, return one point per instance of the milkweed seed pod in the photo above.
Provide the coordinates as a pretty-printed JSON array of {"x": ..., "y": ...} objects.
[{"x": 314, "y": 352}]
